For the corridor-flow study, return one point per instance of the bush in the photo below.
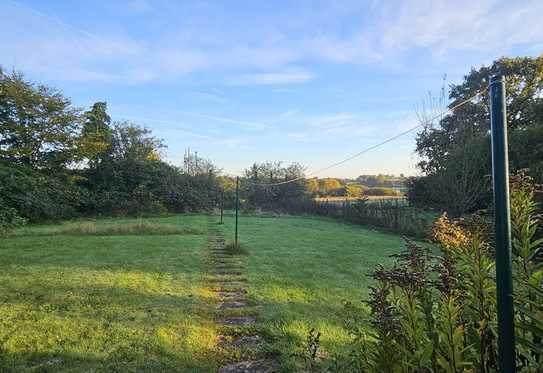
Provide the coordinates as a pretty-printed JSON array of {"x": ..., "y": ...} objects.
[
  {"x": 9, "y": 218},
  {"x": 38, "y": 197},
  {"x": 136, "y": 187}
]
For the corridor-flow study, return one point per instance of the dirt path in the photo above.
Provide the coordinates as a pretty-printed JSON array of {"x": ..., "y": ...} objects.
[{"x": 239, "y": 341}]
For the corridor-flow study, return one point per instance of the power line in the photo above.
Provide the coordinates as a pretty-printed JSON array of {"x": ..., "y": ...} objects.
[{"x": 375, "y": 146}]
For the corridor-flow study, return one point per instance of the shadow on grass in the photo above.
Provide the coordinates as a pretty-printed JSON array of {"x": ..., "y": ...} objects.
[{"x": 125, "y": 359}]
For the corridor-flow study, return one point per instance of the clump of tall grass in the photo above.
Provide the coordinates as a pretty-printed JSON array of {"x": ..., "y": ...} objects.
[
  {"x": 233, "y": 248},
  {"x": 127, "y": 229}
]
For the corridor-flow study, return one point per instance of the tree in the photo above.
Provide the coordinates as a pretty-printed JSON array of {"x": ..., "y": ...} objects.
[
  {"x": 524, "y": 87},
  {"x": 39, "y": 125},
  {"x": 455, "y": 149},
  {"x": 96, "y": 138},
  {"x": 194, "y": 165},
  {"x": 312, "y": 186},
  {"x": 130, "y": 141},
  {"x": 329, "y": 185},
  {"x": 259, "y": 194}
]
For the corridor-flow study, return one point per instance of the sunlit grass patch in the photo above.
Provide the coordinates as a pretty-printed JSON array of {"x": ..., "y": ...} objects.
[{"x": 83, "y": 303}]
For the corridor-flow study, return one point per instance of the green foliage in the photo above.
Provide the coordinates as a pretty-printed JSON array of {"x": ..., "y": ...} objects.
[
  {"x": 95, "y": 142},
  {"x": 9, "y": 218},
  {"x": 39, "y": 125},
  {"x": 455, "y": 151},
  {"x": 36, "y": 196},
  {"x": 275, "y": 197},
  {"x": 527, "y": 249},
  {"x": 58, "y": 163}
]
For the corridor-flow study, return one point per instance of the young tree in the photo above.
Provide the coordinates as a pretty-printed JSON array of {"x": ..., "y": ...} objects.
[{"x": 96, "y": 137}]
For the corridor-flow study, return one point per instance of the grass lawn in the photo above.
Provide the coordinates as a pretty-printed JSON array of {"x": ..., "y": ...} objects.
[
  {"x": 89, "y": 297},
  {"x": 300, "y": 272},
  {"x": 105, "y": 303}
]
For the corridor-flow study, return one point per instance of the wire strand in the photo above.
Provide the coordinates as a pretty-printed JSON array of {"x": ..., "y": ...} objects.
[{"x": 372, "y": 147}]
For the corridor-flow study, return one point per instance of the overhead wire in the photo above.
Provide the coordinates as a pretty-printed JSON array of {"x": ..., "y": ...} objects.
[{"x": 375, "y": 146}]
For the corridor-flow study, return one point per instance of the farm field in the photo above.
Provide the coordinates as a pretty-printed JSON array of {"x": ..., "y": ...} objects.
[{"x": 99, "y": 297}]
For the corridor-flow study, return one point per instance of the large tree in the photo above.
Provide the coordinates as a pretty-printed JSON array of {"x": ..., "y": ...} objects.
[
  {"x": 455, "y": 149},
  {"x": 524, "y": 88},
  {"x": 39, "y": 126}
]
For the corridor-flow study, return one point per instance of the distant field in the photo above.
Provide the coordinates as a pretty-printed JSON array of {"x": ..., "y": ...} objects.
[
  {"x": 75, "y": 300},
  {"x": 370, "y": 198}
]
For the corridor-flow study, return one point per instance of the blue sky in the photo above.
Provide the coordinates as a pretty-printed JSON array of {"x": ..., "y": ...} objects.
[{"x": 245, "y": 81}]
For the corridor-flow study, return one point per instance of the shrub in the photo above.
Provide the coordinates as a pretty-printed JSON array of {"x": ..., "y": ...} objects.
[
  {"x": 39, "y": 197},
  {"x": 9, "y": 218}
]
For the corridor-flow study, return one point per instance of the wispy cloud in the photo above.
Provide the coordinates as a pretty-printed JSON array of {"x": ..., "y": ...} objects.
[
  {"x": 243, "y": 123},
  {"x": 280, "y": 50},
  {"x": 444, "y": 26},
  {"x": 173, "y": 128},
  {"x": 274, "y": 78}
]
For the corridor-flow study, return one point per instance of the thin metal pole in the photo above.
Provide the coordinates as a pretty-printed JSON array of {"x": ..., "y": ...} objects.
[
  {"x": 502, "y": 220},
  {"x": 237, "y": 210},
  {"x": 222, "y": 203}
]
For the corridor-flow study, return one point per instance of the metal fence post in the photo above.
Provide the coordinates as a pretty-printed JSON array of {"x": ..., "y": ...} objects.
[
  {"x": 222, "y": 203},
  {"x": 237, "y": 210},
  {"x": 502, "y": 221}
]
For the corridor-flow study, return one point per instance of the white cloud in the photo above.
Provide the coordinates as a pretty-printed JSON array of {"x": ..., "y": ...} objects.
[
  {"x": 243, "y": 123},
  {"x": 444, "y": 26},
  {"x": 275, "y": 78}
]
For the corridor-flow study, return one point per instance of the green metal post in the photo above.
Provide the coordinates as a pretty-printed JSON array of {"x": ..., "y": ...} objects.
[
  {"x": 222, "y": 203},
  {"x": 502, "y": 221},
  {"x": 237, "y": 210}
]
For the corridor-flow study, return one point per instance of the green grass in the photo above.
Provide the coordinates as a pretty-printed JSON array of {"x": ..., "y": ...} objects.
[
  {"x": 301, "y": 270},
  {"x": 105, "y": 303},
  {"x": 131, "y": 294}
]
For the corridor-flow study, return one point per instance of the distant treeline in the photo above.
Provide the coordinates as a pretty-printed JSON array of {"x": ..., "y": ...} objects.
[{"x": 379, "y": 185}]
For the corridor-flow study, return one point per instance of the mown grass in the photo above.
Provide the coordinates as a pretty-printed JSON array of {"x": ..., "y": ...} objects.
[
  {"x": 105, "y": 303},
  {"x": 138, "y": 301},
  {"x": 301, "y": 271}
]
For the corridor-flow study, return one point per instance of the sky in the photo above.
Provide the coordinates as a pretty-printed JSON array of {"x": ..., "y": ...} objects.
[{"x": 251, "y": 81}]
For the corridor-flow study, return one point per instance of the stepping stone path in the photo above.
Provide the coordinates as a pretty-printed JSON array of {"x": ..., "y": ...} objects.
[{"x": 228, "y": 282}]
